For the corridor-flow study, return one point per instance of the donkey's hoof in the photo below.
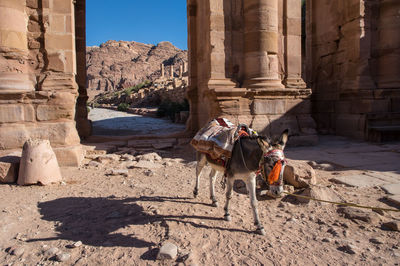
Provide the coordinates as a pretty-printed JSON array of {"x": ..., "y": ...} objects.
[
  {"x": 214, "y": 204},
  {"x": 195, "y": 193},
  {"x": 227, "y": 217},
  {"x": 260, "y": 231}
]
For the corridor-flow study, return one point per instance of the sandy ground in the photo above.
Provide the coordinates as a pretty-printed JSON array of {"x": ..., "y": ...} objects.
[{"x": 123, "y": 220}]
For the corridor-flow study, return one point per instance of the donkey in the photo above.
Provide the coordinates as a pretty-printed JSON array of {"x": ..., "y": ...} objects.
[{"x": 249, "y": 155}]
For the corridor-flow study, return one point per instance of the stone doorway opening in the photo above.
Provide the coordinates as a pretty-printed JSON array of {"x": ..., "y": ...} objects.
[{"x": 141, "y": 93}]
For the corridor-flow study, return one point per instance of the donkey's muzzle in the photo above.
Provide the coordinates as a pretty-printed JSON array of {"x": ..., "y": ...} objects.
[{"x": 276, "y": 190}]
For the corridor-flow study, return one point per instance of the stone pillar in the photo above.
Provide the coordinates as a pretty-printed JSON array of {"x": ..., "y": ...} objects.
[
  {"x": 15, "y": 74},
  {"x": 171, "y": 71},
  {"x": 162, "y": 71},
  {"x": 261, "y": 44},
  {"x": 388, "y": 47},
  {"x": 180, "y": 71},
  {"x": 185, "y": 67},
  {"x": 292, "y": 32}
]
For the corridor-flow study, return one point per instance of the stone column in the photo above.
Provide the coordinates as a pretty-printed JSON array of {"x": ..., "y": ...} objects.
[
  {"x": 261, "y": 44},
  {"x": 185, "y": 67},
  {"x": 180, "y": 71},
  {"x": 172, "y": 71},
  {"x": 388, "y": 47},
  {"x": 15, "y": 73},
  {"x": 292, "y": 32},
  {"x": 162, "y": 71}
]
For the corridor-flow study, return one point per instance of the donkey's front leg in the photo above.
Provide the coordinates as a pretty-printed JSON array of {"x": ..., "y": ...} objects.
[
  {"x": 229, "y": 189},
  {"x": 251, "y": 187},
  {"x": 213, "y": 175}
]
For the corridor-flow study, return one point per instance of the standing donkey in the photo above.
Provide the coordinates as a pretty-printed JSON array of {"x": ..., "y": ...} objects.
[{"x": 249, "y": 155}]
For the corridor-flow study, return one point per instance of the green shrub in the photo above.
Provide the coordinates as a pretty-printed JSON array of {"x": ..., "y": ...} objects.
[
  {"x": 137, "y": 87},
  {"x": 123, "y": 107}
]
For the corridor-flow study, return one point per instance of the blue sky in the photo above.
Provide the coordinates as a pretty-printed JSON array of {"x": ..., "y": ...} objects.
[{"x": 136, "y": 20}]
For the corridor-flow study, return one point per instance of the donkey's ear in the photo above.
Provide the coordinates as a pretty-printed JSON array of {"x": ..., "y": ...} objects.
[
  {"x": 284, "y": 138},
  {"x": 264, "y": 145}
]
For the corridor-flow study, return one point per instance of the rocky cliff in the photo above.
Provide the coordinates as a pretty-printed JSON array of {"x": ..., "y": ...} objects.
[{"x": 118, "y": 65}]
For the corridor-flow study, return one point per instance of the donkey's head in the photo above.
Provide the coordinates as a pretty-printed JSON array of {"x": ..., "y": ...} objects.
[{"x": 273, "y": 162}]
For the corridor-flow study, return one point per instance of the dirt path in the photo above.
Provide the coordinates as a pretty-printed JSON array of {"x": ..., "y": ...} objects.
[{"x": 123, "y": 220}]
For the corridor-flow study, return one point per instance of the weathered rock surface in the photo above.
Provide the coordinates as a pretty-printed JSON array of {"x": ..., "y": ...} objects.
[
  {"x": 299, "y": 174},
  {"x": 9, "y": 166},
  {"x": 317, "y": 192},
  {"x": 122, "y": 64},
  {"x": 38, "y": 164},
  {"x": 167, "y": 251},
  {"x": 360, "y": 215}
]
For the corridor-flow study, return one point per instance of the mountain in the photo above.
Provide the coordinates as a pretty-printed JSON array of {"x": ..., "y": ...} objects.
[{"x": 122, "y": 64}]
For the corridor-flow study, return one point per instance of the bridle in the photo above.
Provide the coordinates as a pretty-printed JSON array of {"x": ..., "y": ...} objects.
[{"x": 275, "y": 177}]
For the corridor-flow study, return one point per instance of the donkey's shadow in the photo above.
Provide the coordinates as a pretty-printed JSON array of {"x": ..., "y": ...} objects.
[{"x": 95, "y": 220}]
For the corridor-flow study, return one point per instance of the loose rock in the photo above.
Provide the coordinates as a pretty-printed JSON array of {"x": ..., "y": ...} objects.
[
  {"x": 299, "y": 174},
  {"x": 167, "y": 251},
  {"x": 63, "y": 257},
  {"x": 51, "y": 251},
  {"x": 393, "y": 226},
  {"x": 357, "y": 214}
]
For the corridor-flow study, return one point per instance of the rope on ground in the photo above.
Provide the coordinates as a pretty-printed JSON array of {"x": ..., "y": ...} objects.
[{"x": 343, "y": 203}]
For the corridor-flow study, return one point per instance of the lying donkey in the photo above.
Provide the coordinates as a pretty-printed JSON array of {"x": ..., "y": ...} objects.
[{"x": 249, "y": 155}]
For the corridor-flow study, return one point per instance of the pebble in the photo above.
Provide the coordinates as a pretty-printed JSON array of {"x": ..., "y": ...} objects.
[
  {"x": 327, "y": 240},
  {"x": 393, "y": 226},
  {"x": 148, "y": 172},
  {"x": 63, "y": 257},
  {"x": 51, "y": 251},
  {"x": 114, "y": 172},
  {"x": 350, "y": 249},
  {"x": 168, "y": 250},
  {"x": 377, "y": 241},
  {"x": 16, "y": 251},
  {"x": 94, "y": 164}
]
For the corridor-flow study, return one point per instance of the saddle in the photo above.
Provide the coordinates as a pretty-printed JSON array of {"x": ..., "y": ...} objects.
[{"x": 216, "y": 139}]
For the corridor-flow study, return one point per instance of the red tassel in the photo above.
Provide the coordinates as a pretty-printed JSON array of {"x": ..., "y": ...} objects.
[{"x": 274, "y": 174}]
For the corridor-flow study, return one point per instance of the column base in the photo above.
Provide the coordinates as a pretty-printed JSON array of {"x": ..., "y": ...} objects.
[{"x": 263, "y": 83}]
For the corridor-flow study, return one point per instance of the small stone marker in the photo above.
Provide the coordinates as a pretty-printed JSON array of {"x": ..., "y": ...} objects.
[
  {"x": 38, "y": 164},
  {"x": 167, "y": 251}
]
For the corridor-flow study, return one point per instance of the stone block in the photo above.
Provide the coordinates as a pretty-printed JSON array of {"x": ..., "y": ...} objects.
[
  {"x": 59, "y": 133},
  {"x": 9, "y": 166},
  {"x": 265, "y": 107},
  {"x": 57, "y": 61},
  {"x": 16, "y": 113},
  {"x": 13, "y": 39},
  {"x": 52, "y": 112},
  {"x": 71, "y": 156},
  {"x": 278, "y": 123},
  {"x": 59, "y": 42},
  {"x": 260, "y": 124},
  {"x": 62, "y": 6},
  {"x": 298, "y": 106},
  {"x": 57, "y": 23}
]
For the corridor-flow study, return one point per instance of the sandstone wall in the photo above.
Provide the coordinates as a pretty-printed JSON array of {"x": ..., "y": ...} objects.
[
  {"x": 353, "y": 65},
  {"x": 245, "y": 64},
  {"x": 38, "y": 89}
]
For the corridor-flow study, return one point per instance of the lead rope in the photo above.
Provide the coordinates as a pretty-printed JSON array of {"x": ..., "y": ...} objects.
[{"x": 342, "y": 203}]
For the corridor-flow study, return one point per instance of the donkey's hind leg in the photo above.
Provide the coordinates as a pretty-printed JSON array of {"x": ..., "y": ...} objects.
[
  {"x": 251, "y": 187},
  {"x": 229, "y": 190},
  {"x": 201, "y": 162},
  {"x": 213, "y": 176}
]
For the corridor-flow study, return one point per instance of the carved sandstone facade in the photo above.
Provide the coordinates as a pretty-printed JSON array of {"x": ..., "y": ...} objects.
[{"x": 245, "y": 63}]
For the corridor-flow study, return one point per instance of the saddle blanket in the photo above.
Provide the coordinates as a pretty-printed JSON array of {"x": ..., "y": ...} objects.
[{"x": 216, "y": 138}]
